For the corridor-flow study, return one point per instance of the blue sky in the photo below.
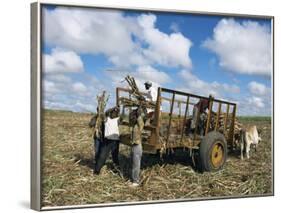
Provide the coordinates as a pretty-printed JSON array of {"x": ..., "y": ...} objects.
[{"x": 88, "y": 50}]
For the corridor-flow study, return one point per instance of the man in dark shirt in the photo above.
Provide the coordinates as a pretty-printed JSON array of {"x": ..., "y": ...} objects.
[
  {"x": 199, "y": 114},
  {"x": 97, "y": 123}
]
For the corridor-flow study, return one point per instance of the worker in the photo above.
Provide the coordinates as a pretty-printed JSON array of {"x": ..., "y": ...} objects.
[
  {"x": 151, "y": 95},
  {"x": 151, "y": 91},
  {"x": 111, "y": 140},
  {"x": 137, "y": 121},
  {"x": 97, "y": 122},
  {"x": 199, "y": 109}
]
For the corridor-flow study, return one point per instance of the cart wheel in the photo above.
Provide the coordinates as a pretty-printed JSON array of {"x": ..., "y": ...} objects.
[{"x": 213, "y": 152}]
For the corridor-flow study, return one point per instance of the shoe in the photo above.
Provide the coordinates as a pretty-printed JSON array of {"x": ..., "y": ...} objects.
[
  {"x": 134, "y": 184},
  {"x": 96, "y": 172}
]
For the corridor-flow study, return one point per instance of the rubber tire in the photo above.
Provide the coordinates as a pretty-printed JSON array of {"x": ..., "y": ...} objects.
[{"x": 205, "y": 151}]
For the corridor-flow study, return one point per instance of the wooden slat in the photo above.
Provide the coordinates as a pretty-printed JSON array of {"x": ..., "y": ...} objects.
[
  {"x": 218, "y": 117},
  {"x": 231, "y": 131},
  {"x": 157, "y": 120},
  {"x": 209, "y": 116},
  {"x": 195, "y": 96},
  {"x": 130, "y": 108},
  {"x": 196, "y": 126},
  {"x": 117, "y": 96},
  {"x": 170, "y": 119},
  {"x": 225, "y": 118},
  {"x": 184, "y": 119}
]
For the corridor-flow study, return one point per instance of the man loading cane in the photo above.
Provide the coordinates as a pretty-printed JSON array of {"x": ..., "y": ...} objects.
[
  {"x": 137, "y": 121},
  {"x": 199, "y": 115},
  {"x": 151, "y": 95},
  {"x": 111, "y": 140}
]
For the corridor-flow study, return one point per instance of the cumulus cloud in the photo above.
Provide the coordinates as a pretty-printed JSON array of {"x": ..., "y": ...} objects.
[
  {"x": 61, "y": 78},
  {"x": 256, "y": 102},
  {"x": 257, "y": 88},
  {"x": 62, "y": 61},
  {"x": 75, "y": 97},
  {"x": 164, "y": 49},
  {"x": 141, "y": 74},
  {"x": 49, "y": 87},
  {"x": 124, "y": 40},
  {"x": 148, "y": 73},
  {"x": 79, "y": 87},
  {"x": 195, "y": 85},
  {"x": 242, "y": 47},
  {"x": 175, "y": 27},
  {"x": 88, "y": 30}
]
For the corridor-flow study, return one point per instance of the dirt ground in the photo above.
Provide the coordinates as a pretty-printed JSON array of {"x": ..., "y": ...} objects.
[{"x": 67, "y": 169}]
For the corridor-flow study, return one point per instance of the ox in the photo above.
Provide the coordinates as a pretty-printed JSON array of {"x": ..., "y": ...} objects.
[{"x": 249, "y": 136}]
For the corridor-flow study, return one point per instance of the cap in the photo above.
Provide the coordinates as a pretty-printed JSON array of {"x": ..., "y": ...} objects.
[{"x": 148, "y": 83}]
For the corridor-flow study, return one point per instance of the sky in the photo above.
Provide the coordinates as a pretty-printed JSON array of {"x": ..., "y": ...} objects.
[{"x": 87, "y": 50}]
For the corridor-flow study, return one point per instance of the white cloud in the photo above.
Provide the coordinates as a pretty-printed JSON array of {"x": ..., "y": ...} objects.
[
  {"x": 257, "y": 88},
  {"x": 94, "y": 32},
  {"x": 79, "y": 87},
  {"x": 58, "y": 78},
  {"x": 124, "y": 40},
  {"x": 148, "y": 73},
  {"x": 256, "y": 102},
  {"x": 88, "y": 30},
  {"x": 164, "y": 49},
  {"x": 61, "y": 61},
  {"x": 69, "y": 94},
  {"x": 141, "y": 75},
  {"x": 175, "y": 27},
  {"x": 195, "y": 85},
  {"x": 49, "y": 87},
  {"x": 242, "y": 47}
]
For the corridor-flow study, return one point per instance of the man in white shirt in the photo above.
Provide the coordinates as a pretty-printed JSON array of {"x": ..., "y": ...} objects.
[
  {"x": 151, "y": 96},
  {"x": 111, "y": 139},
  {"x": 151, "y": 91}
]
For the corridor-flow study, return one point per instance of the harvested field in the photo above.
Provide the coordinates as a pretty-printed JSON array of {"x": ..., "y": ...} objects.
[{"x": 68, "y": 176}]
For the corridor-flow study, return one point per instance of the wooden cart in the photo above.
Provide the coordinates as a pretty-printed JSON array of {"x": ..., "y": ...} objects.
[{"x": 169, "y": 128}]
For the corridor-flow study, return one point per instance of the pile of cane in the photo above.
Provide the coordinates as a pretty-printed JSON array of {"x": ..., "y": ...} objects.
[{"x": 138, "y": 97}]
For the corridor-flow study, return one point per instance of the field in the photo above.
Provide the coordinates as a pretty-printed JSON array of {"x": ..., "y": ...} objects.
[{"x": 68, "y": 179}]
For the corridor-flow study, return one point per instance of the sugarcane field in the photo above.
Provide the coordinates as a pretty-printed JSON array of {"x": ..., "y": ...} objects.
[{"x": 175, "y": 163}]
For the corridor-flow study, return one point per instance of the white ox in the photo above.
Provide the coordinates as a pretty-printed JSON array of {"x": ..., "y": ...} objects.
[{"x": 249, "y": 136}]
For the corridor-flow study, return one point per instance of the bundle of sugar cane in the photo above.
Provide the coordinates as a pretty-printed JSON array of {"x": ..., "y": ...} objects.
[
  {"x": 135, "y": 103},
  {"x": 140, "y": 99},
  {"x": 102, "y": 101},
  {"x": 134, "y": 88}
]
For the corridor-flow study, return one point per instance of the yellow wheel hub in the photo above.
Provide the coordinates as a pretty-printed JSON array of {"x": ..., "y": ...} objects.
[{"x": 217, "y": 155}]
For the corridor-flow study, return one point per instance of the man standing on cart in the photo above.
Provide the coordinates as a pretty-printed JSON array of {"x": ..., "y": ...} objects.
[
  {"x": 151, "y": 96},
  {"x": 199, "y": 115}
]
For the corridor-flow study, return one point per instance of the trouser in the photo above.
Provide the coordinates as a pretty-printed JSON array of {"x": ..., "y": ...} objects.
[
  {"x": 96, "y": 148},
  {"x": 200, "y": 119},
  {"x": 105, "y": 148},
  {"x": 136, "y": 154},
  {"x": 150, "y": 118},
  {"x": 194, "y": 117}
]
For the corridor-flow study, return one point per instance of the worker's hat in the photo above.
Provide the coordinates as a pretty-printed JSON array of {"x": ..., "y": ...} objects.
[{"x": 148, "y": 83}]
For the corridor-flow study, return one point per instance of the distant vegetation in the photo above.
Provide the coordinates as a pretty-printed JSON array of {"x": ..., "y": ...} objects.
[{"x": 254, "y": 118}]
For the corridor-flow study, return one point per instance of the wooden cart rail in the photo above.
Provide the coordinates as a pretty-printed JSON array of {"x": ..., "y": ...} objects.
[{"x": 156, "y": 140}]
